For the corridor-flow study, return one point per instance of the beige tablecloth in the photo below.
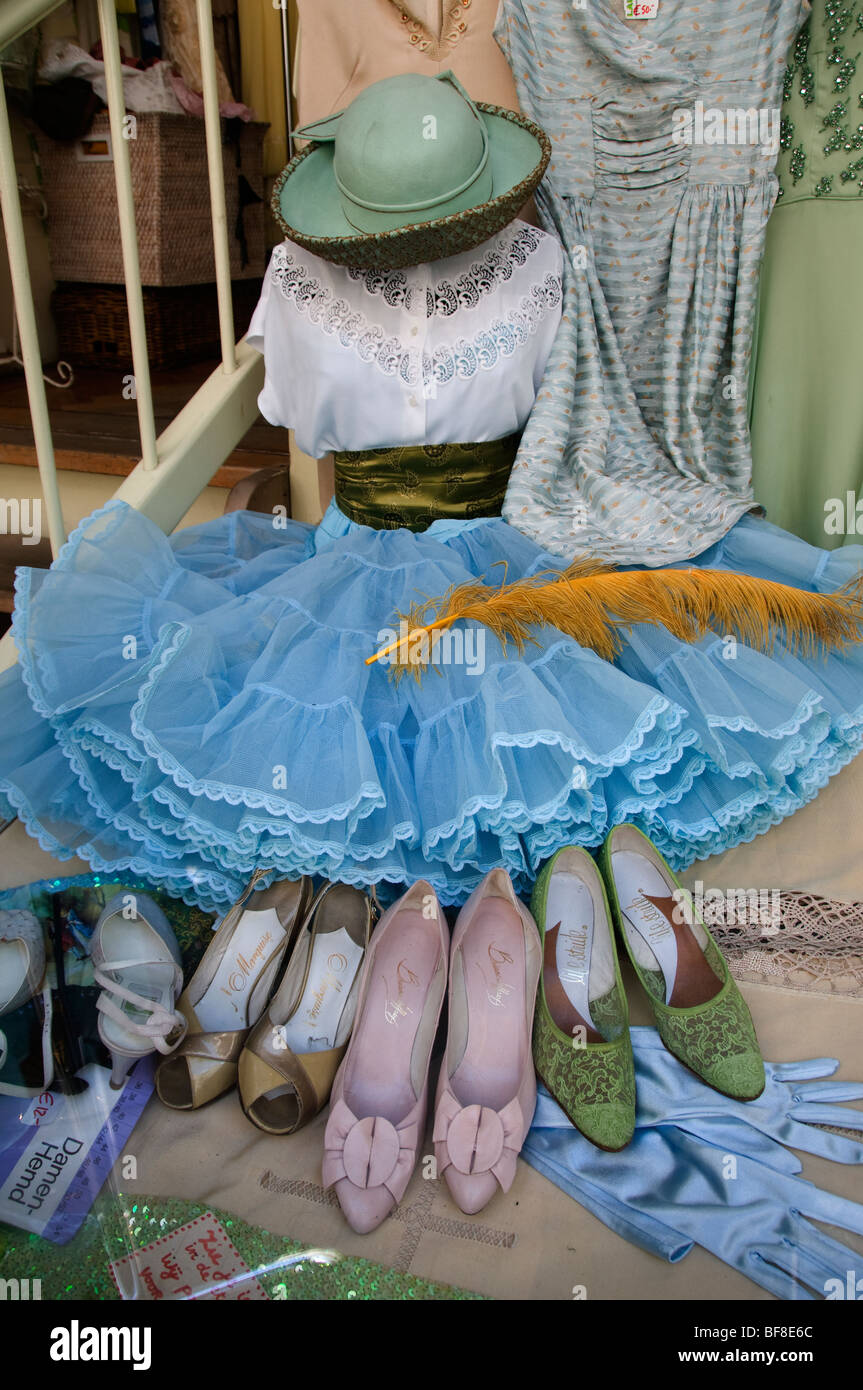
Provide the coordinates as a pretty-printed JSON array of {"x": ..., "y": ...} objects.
[
  {"x": 531, "y": 1243},
  {"x": 534, "y": 1242}
]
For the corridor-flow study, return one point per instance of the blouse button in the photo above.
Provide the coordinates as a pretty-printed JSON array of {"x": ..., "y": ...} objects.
[
  {"x": 412, "y": 401},
  {"x": 414, "y": 331}
]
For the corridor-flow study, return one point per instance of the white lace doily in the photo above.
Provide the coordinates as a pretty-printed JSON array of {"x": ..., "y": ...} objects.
[{"x": 816, "y": 945}]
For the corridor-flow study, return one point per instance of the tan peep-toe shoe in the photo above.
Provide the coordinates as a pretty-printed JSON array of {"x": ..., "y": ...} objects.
[
  {"x": 229, "y": 991},
  {"x": 291, "y": 1056}
]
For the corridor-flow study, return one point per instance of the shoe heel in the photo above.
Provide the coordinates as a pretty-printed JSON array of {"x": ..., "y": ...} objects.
[{"x": 120, "y": 1068}]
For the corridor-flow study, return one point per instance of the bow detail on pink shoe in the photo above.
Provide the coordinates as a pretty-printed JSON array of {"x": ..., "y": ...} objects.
[
  {"x": 475, "y": 1139},
  {"x": 369, "y": 1153}
]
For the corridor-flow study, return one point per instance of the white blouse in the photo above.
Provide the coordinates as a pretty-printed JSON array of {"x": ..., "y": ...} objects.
[{"x": 448, "y": 352}]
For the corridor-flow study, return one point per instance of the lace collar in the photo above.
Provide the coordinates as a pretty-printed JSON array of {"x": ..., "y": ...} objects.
[
  {"x": 340, "y": 316},
  {"x": 508, "y": 252}
]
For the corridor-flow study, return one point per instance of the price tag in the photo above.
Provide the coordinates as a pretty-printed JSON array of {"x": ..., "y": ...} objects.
[
  {"x": 195, "y": 1261},
  {"x": 640, "y": 9}
]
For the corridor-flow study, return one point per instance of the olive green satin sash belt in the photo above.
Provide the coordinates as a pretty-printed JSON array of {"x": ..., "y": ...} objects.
[{"x": 416, "y": 485}]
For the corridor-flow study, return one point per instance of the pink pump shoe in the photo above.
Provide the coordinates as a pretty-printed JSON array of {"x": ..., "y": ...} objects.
[
  {"x": 487, "y": 1089},
  {"x": 380, "y": 1093}
]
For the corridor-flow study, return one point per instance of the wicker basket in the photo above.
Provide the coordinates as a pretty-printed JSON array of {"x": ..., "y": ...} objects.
[
  {"x": 182, "y": 323},
  {"x": 172, "y": 203}
]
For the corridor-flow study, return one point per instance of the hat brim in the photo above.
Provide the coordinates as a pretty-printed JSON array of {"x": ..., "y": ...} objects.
[{"x": 308, "y": 207}]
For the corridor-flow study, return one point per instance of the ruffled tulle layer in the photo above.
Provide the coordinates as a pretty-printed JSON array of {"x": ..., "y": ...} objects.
[{"x": 190, "y": 709}]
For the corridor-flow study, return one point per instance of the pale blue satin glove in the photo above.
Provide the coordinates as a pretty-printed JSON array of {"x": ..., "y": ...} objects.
[
  {"x": 791, "y": 1103},
  {"x": 746, "y": 1212}
]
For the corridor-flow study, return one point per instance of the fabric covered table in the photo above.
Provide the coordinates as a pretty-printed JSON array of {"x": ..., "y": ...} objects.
[{"x": 533, "y": 1242}]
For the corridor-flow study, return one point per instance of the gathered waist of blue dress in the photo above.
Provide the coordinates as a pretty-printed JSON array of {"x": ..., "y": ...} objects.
[{"x": 334, "y": 524}]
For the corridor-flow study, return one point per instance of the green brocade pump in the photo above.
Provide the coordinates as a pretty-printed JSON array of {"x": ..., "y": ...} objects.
[
  {"x": 581, "y": 1046},
  {"x": 701, "y": 1016}
]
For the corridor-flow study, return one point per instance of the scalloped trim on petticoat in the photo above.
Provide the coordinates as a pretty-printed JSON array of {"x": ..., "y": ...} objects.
[
  {"x": 174, "y": 638},
  {"x": 30, "y": 659},
  {"x": 221, "y": 889},
  {"x": 705, "y": 837},
  {"x": 806, "y": 759}
]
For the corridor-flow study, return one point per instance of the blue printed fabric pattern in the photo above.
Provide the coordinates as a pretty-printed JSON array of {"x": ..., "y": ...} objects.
[
  {"x": 665, "y": 136},
  {"x": 191, "y": 708}
]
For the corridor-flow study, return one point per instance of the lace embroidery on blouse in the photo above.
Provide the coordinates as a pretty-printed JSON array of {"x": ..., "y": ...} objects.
[
  {"x": 494, "y": 268},
  {"x": 458, "y": 360}
]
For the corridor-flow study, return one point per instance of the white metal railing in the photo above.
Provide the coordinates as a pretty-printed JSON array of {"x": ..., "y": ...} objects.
[
  {"x": 174, "y": 467},
  {"x": 128, "y": 232},
  {"x": 22, "y": 293}
]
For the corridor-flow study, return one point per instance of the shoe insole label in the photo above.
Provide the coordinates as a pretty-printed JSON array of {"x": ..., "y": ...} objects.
[
  {"x": 569, "y": 906},
  {"x": 314, "y": 1024},
  {"x": 257, "y": 938},
  {"x": 647, "y": 904},
  {"x": 489, "y": 1073}
]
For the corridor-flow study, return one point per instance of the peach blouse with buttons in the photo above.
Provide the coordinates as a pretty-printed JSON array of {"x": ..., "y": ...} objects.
[{"x": 343, "y": 47}]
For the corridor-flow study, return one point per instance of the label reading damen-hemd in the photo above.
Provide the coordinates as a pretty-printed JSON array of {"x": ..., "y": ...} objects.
[{"x": 57, "y": 1150}]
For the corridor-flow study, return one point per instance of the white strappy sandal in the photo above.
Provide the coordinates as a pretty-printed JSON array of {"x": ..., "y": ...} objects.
[
  {"x": 23, "y": 975},
  {"x": 137, "y": 962}
]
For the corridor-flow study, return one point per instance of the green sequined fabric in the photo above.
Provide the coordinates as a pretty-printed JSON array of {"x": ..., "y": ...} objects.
[
  {"x": 821, "y": 131},
  {"x": 806, "y": 410},
  {"x": 413, "y": 486},
  {"x": 286, "y": 1269}
]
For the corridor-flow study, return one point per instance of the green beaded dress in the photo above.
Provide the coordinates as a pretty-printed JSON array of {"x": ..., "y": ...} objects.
[{"x": 807, "y": 384}]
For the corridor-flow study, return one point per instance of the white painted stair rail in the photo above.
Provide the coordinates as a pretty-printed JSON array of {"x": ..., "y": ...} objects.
[{"x": 175, "y": 466}]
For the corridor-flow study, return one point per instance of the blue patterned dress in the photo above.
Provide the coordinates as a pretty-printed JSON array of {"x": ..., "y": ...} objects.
[{"x": 665, "y": 137}]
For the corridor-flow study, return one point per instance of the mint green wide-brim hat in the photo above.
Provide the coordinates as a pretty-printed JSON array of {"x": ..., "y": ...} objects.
[{"x": 412, "y": 171}]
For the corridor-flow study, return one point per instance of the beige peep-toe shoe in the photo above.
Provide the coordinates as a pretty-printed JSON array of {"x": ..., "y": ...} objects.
[
  {"x": 292, "y": 1054},
  {"x": 229, "y": 991}
]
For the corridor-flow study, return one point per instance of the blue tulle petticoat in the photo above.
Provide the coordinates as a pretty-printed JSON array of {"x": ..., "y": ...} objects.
[{"x": 195, "y": 707}]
